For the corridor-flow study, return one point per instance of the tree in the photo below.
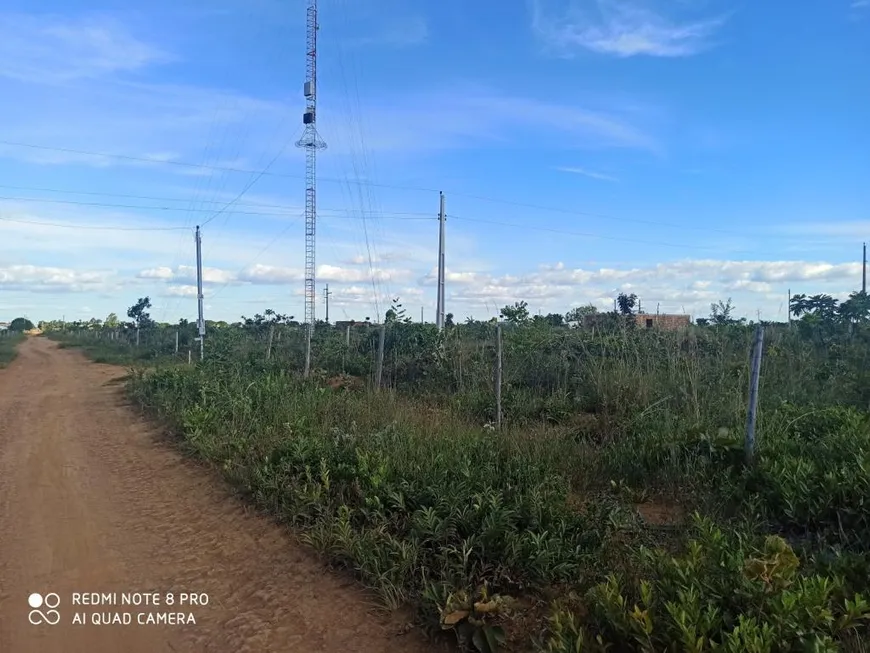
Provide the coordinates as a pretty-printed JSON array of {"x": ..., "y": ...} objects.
[
  {"x": 818, "y": 307},
  {"x": 50, "y": 325},
  {"x": 516, "y": 314},
  {"x": 577, "y": 314},
  {"x": 138, "y": 313},
  {"x": 269, "y": 317},
  {"x": 855, "y": 309},
  {"x": 550, "y": 319},
  {"x": 20, "y": 324},
  {"x": 626, "y": 303},
  {"x": 448, "y": 320},
  {"x": 798, "y": 305},
  {"x": 111, "y": 321},
  {"x": 396, "y": 313},
  {"x": 720, "y": 313}
]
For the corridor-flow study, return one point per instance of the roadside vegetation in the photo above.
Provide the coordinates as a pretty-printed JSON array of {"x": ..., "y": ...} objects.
[
  {"x": 612, "y": 509},
  {"x": 9, "y": 342}
]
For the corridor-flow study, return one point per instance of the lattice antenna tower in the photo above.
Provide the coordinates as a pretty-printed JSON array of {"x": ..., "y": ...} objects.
[{"x": 310, "y": 141}]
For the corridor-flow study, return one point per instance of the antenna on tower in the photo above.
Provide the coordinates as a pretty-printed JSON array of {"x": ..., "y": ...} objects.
[{"x": 310, "y": 141}]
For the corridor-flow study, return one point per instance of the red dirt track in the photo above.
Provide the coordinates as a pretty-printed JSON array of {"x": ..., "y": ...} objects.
[{"x": 92, "y": 501}]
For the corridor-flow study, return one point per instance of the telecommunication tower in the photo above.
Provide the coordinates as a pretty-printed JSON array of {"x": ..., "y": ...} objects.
[{"x": 310, "y": 141}]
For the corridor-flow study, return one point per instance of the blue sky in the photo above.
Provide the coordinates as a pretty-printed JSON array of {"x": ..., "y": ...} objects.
[{"x": 687, "y": 151}]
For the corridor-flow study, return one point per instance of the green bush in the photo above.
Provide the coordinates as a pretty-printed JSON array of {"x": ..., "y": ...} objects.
[
  {"x": 723, "y": 594},
  {"x": 9, "y": 347}
]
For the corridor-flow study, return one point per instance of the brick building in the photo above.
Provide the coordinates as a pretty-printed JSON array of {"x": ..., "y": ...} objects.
[
  {"x": 664, "y": 321},
  {"x": 667, "y": 322}
]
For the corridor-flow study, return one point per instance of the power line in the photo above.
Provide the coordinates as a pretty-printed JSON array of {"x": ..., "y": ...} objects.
[
  {"x": 482, "y": 198},
  {"x": 155, "y": 198},
  {"x": 185, "y": 209},
  {"x": 580, "y": 233},
  {"x": 79, "y": 226},
  {"x": 349, "y": 216},
  {"x": 268, "y": 245},
  {"x": 202, "y": 166},
  {"x": 248, "y": 186},
  {"x": 588, "y": 214}
]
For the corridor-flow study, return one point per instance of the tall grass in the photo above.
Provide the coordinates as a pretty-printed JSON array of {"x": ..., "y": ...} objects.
[{"x": 9, "y": 347}]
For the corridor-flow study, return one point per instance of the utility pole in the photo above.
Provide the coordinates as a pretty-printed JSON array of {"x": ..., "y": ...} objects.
[
  {"x": 788, "y": 310},
  {"x": 864, "y": 271},
  {"x": 326, "y": 295},
  {"x": 310, "y": 141},
  {"x": 439, "y": 311},
  {"x": 200, "y": 322}
]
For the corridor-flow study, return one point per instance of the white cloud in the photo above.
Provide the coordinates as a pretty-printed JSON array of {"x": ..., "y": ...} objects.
[
  {"x": 380, "y": 257},
  {"x": 157, "y": 273},
  {"x": 849, "y": 229},
  {"x": 271, "y": 275},
  {"x": 260, "y": 274},
  {"x": 337, "y": 274},
  {"x": 52, "y": 279},
  {"x": 588, "y": 173},
  {"x": 49, "y": 49},
  {"x": 688, "y": 285},
  {"x": 182, "y": 291},
  {"x": 186, "y": 274},
  {"x": 619, "y": 27}
]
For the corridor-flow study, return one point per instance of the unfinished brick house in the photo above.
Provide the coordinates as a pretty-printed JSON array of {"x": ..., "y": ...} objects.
[
  {"x": 667, "y": 322},
  {"x": 662, "y": 321}
]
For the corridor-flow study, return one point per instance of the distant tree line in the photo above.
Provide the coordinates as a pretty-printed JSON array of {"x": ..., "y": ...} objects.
[{"x": 814, "y": 311}]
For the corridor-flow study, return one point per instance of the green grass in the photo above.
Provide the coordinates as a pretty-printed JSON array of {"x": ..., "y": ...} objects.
[
  {"x": 532, "y": 534},
  {"x": 123, "y": 353},
  {"x": 9, "y": 347}
]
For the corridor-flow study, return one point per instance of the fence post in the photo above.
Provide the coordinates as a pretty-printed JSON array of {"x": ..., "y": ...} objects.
[
  {"x": 754, "y": 376},
  {"x": 380, "y": 368},
  {"x": 498, "y": 363},
  {"x": 137, "y": 336},
  {"x": 347, "y": 337},
  {"x": 269, "y": 346},
  {"x": 176, "y": 343},
  {"x": 189, "y": 356}
]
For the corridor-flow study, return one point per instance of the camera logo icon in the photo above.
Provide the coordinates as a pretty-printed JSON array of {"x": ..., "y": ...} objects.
[{"x": 38, "y": 615}]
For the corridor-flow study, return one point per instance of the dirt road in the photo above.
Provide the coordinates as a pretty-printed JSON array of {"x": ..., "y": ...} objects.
[{"x": 90, "y": 501}]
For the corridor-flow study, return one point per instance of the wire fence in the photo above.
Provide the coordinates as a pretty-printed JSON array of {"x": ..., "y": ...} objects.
[{"x": 500, "y": 371}]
